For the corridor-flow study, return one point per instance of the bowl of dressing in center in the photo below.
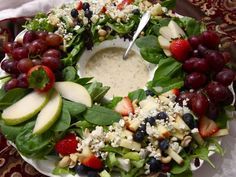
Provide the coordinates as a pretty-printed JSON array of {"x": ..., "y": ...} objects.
[{"x": 106, "y": 65}]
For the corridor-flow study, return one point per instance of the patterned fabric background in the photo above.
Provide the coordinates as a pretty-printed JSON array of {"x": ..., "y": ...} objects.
[{"x": 219, "y": 15}]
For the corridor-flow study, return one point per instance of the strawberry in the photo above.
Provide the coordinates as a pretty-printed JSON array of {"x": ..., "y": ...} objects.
[
  {"x": 79, "y": 5},
  {"x": 92, "y": 162},
  {"x": 125, "y": 107},
  {"x": 207, "y": 127},
  {"x": 103, "y": 9},
  {"x": 180, "y": 49},
  {"x": 124, "y": 3},
  {"x": 67, "y": 145},
  {"x": 174, "y": 91}
]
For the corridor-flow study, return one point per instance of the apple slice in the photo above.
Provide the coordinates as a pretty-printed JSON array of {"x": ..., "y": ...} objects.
[
  {"x": 176, "y": 31},
  {"x": 167, "y": 52},
  {"x": 74, "y": 92},
  {"x": 25, "y": 108},
  {"x": 164, "y": 43},
  {"x": 49, "y": 114},
  {"x": 166, "y": 32}
]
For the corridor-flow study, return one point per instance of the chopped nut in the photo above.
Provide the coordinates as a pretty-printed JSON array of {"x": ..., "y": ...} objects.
[
  {"x": 102, "y": 32},
  {"x": 166, "y": 159},
  {"x": 185, "y": 142}
]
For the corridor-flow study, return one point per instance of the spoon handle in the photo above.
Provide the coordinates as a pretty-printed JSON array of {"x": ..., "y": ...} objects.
[{"x": 143, "y": 22}]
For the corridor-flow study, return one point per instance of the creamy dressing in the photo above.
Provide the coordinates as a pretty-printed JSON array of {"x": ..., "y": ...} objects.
[{"x": 123, "y": 76}]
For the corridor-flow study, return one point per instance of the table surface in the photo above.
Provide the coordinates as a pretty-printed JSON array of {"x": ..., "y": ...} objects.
[{"x": 218, "y": 15}]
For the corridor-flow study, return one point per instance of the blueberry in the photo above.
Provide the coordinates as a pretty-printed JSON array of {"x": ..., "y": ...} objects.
[
  {"x": 88, "y": 14},
  {"x": 149, "y": 93},
  {"x": 189, "y": 120},
  {"x": 151, "y": 120},
  {"x": 164, "y": 144},
  {"x": 162, "y": 115},
  {"x": 93, "y": 174},
  {"x": 142, "y": 128},
  {"x": 136, "y": 12},
  {"x": 81, "y": 169},
  {"x": 139, "y": 136},
  {"x": 154, "y": 164},
  {"x": 85, "y": 6},
  {"x": 74, "y": 13}
]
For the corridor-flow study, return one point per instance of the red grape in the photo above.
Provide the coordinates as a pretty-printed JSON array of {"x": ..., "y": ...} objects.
[
  {"x": 42, "y": 35},
  {"x": 201, "y": 66},
  {"x": 195, "y": 80},
  {"x": 215, "y": 60},
  {"x": 36, "y": 62},
  {"x": 11, "y": 84},
  {"x": 52, "y": 62},
  {"x": 210, "y": 39},
  {"x": 9, "y": 46},
  {"x": 38, "y": 46},
  {"x": 184, "y": 96},
  {"x": 24, "y": 65},
  {"x": 20, "y": 52},
  {"x": 196, "y": 53},
  {"x": 52, "y": 53},
  {"x": 225, "y": 77},
  {"x": 188, "y": 65},
  {"x": 4, "y": 64},
  {"x": 199, "y": 104},
  {"x": 216, "y": 92},
  {"x": 227, "y": 56},
  {"x": 228, "y": 98},
  {"x": 213, "y": 111},
  {"x": 194, "y": 41},
  {"x": 29, "y": 37},
  {"x": 54, "y": 40},
  {"x": 22, "y": 81},
  {"x": 10, "y": 66},
  {"x": 202, "y": 50}
]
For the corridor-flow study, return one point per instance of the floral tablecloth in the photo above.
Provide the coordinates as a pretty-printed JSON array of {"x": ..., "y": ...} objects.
[{"x": 219, "y": 15}]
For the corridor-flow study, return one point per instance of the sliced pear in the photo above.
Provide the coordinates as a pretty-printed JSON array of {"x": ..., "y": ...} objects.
[
  {"x": 221, "y": 132},
  {"x": 176, "y": 31},
  {"x": 49, "y": 114},
  {"x": 164, "y": 43},
  {"x": 25, "y": 108},
  {"x": 167, "y": 52},
  {"x": 129, "y": 144},
  {"x": 175, "y": 156},
  {"x": 166, "y": 32},
  {"x": 74, "y": 92}
]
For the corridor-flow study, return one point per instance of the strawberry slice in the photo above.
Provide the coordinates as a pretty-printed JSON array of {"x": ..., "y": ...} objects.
[
  {"x": 67, "y": 145},
  {"x": 92, "y": 162},
  {"x": 180, "y": 49},
  {"x": 125, "y": 107},
  {"x": 207, "y": 127}
]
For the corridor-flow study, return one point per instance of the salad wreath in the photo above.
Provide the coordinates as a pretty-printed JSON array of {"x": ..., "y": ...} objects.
[{"x": 171, "y": 127}]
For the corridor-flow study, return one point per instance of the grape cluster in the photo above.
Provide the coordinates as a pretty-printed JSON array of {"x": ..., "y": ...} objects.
[
  {"x": 36, "y": 48},
  {"x": 207, "y": 76}
]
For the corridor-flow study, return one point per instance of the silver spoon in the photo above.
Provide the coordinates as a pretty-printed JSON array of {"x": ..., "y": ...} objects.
[{"x": 143, "y": 22}]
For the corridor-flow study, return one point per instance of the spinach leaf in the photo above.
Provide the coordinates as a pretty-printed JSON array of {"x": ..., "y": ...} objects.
[
  {"x": 202, "y": 153},
  {"x": 74, "y": 108},
  {"x": 97, "y": 91},
  {"x": 101, "y": 116},
  {"x": 179, "y": 169},
  {"x": 187, "y": 173},
  {"x": 148, "y": 42},
  {"x": 61, "y": 171},
  {"x": 83, "y": 81},
  {"x": 112, "y": 104},
  {"x": 151, "y": 55},
  {"x": 63, "y": 122},
  {"x": 34, "y": 146},
  {"x": 138, "y": 95},
  {"x": 191, "y": 26},
  {"x": 69, "y": 73},
  {"x": 164, "y": 84},
  {"x": 222, "y": 119},
  {"x": 169, "y": 4},
  {"x": 217, "y": 146},
  {"x": 10, "y": 132},
  {"x": 167, "y": 67},
  {"x": 122, "y": 28},
  {"x": 11, "y": 96}
]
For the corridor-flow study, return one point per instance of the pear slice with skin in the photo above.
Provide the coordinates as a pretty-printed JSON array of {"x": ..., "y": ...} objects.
[
  {"x": 166, "y": 32},
  {"x": 74, "y": 92},
  {"x": 164, "y": 43},
  {"x": 49, "y": 114},
  {"x": 25, "y": 108}
]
